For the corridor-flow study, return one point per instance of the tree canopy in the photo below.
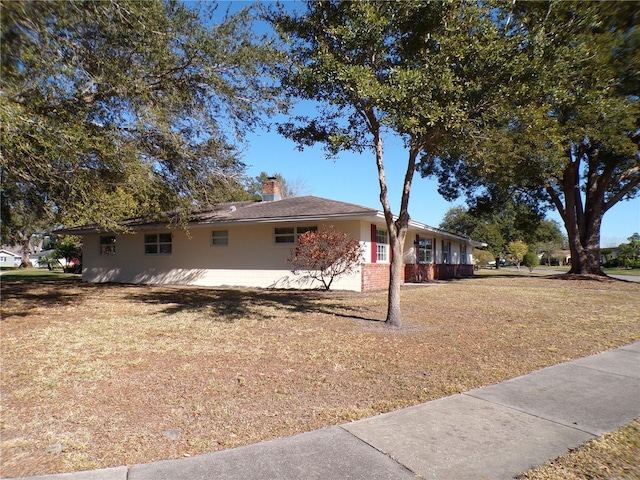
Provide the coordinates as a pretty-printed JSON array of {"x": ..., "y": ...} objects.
[
  {"x": 116, "y": 108},
  {"x": 568, "y": 133},
  {"x": 498, "y": 227},
  {"x": 390, "y": 68}
]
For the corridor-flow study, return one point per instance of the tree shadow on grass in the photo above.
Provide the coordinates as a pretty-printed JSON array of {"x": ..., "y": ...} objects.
[
  {"x": 227, "y": 305},
  {"x": 513, "y": 274},
  {"x": 20, "y": 297},
  {"x": 230, "y": 305},
  {"x": 594, "y": 278}
]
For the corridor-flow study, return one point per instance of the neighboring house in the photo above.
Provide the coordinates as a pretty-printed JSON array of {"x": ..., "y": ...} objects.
[
  {"x": 9, "y": 258},
  {"x": 42, "y": 259},
  {"x": 38, "y": 260},
  {"x": 248, "y": 243}
]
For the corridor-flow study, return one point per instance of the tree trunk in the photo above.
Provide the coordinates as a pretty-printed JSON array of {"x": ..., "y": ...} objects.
[
  {"x": 397, "y": 235},
  {"x": 585, "y": 254},
  {"x": 397, "y": 228},
  {"x": 394, "y": 312},
  {"x": 25, "y": 250},
  {"x": 582, "y": 221}
]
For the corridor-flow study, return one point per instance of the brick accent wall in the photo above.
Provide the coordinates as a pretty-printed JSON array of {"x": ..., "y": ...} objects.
[
  {"x": 424, "y": 272},
  {"x": 453, "y": 271},
  {"x": 418, "y": 272},
  {"x": 375, "y": 276}
]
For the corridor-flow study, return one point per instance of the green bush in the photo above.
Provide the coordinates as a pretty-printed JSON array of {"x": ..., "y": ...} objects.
[
  {"x": 71, "y": 250},
  {"x": 531, "y": 261},
  {"x": 482, "y": 258}
]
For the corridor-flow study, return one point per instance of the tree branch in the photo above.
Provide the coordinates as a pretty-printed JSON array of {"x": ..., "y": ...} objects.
[{"x": 623, "y": 191}]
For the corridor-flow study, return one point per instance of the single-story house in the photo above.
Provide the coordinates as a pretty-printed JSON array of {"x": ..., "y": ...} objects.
[
  {"x": 248, "y": 243},
  {"x": 39, "y": 259},
  {"x": 9, "y": 258},
  {"x": 42, "y": 259}
]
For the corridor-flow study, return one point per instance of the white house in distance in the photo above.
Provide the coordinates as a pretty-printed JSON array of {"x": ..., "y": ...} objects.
[
  {"x": 247, "y": 244},
  {"x": 9, "y": 258}
]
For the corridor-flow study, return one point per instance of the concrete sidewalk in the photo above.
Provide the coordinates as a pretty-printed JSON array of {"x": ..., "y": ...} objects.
[{"x": 496, "y": 432}]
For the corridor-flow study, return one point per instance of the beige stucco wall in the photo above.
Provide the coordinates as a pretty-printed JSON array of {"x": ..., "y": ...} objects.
[{"x": 251, "y": 259}]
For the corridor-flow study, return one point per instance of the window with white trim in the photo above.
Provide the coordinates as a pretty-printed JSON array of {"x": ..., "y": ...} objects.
[
  {"x": 286, "y": 235},
  {"x": 446, "y": 250},
  {"x": 157, "y": 244},
  {"x": 382, "y": 245},
  {"x": 108, "y": 245},
  {"x": 463, "y": 254},
  {"x": 425, "y": 250},
  {"x": 220, "y": 238}
]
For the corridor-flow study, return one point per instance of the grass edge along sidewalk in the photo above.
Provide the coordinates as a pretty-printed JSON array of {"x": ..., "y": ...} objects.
[{"x": 454, "y": 437}]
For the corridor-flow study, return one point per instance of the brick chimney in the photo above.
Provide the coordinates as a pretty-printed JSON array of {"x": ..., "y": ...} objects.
[{"x": 271, "y": 190}]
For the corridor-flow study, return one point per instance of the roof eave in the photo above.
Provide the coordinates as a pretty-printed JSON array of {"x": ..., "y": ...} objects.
[
  {"x": 222, "y": 221},
  {"x": 444, "y": 233}
]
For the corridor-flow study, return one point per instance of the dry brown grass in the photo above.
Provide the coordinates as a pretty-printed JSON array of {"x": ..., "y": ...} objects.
[
  {"x": 614, "y": 456},
  {"x": 104, "y": 375}
]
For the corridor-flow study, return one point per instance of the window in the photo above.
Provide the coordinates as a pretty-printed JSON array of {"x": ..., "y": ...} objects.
[
  {"x": 463, "y": 254},
  {"x": 382, "y": 246},
  {"x": 425, "y": 250},
  {"x": 157, "y": 244},
  {"x": 220, "y": 238},
  {"x": 108, "y": 245},
  {"x": 285, "y": 235},
  {"x": 291, "y": 234},
  {"x": 446, "y": 248}
]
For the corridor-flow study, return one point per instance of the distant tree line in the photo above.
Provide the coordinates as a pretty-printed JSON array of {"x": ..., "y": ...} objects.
[
  {"x": 510, "y": 233},
  {"x": 626, "y": 255}
]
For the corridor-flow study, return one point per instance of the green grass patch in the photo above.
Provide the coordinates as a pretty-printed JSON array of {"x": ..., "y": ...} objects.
[
  {"x": 622, "y": 271},
  {"x": 35, "y": 274},
  {"x": 548, "y": 270}
]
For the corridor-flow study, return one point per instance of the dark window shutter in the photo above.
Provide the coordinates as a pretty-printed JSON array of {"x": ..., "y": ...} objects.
[{"x": 374, "y": 245}]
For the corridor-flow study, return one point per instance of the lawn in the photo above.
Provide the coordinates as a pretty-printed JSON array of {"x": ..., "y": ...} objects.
[
  {"x": 613, "y": 456},
  {"x": 105, "y": 375},
  {"x": 622, "y": 271}
]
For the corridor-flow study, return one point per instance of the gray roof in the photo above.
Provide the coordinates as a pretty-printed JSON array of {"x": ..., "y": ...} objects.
[
  {"x": 308, "y": 208},
  {"x": 286, "y": 209},
  {"x": 291, "y": 208}
]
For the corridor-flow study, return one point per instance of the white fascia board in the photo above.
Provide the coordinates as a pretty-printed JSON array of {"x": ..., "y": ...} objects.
[{"x": 443, "y": 233}]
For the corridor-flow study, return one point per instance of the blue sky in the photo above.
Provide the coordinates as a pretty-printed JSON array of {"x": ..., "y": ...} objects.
[{"x": 353, "y": 177}]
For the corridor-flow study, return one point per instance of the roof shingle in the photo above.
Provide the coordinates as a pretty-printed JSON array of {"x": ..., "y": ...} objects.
[{"x": 291, "y": 208}]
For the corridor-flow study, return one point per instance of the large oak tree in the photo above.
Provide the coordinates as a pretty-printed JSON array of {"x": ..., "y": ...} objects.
[
  {"x": 569, "y": 135},
  {"x": 115, "y": 108}
]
